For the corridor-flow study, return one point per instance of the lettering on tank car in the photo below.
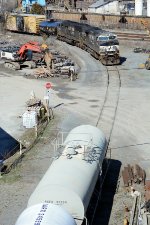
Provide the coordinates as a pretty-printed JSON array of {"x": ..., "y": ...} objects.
[
  {"x": 61, "y": 202},
  {"x": 49, "y": 201},
  {"x": 41, "y": 214},
  {"x": 57, "y": 202}
]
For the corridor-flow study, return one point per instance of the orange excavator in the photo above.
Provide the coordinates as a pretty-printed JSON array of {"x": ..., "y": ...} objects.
[
  {"x": 29, "y": 46},
  {"x": 29, "y": 55}
]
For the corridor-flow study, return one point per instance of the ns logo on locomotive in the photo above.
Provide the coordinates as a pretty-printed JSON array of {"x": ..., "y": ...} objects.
[
  {"x": 101, "y": 44},
  {"x": 63, "y": 195}
]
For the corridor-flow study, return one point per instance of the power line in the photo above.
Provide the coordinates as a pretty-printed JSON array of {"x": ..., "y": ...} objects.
[{"x": 133, "y": 145}]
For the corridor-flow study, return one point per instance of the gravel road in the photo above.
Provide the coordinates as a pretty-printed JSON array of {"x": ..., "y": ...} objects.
[{"x": 80, "y": 103}]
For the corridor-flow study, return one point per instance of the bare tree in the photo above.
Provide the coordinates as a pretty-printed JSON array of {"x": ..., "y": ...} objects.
[{"x": 6, "y": 5}]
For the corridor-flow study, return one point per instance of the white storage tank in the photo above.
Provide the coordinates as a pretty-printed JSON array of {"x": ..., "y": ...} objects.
[
  {"x": 71, "y": 179},
  {"x": 148, "y": 8},
  {"x": 29, "y": 119},
  {"x": 138, "y": 7},
  {"x": 45, "y": 214}
]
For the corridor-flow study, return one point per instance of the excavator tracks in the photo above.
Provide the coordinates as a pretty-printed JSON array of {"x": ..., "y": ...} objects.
[{"x": 12, "y": 65}]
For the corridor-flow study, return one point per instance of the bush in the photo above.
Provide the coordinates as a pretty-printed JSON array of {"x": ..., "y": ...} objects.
[{"x": 37, "y": 9}]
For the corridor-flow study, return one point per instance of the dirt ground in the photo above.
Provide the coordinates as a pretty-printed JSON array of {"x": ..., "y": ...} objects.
[{"x": 76, "y": 103}]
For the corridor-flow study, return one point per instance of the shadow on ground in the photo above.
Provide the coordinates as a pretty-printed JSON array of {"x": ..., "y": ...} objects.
[
  {"x": 122, "y": 60},
  {"x": 8, "y": 145},
  {"x": 104, "y": 206}
]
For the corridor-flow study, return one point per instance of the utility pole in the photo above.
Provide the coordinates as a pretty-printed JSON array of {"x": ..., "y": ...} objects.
[{"x": 46, "y": 9}]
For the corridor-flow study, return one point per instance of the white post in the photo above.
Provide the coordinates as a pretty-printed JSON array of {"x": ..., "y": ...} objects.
[
  {"x": 47, "y": 103},
  {"x": 47, "y": 108},
  {"x": 47, "y": 97},
  {"x": 62, "y": 138}
]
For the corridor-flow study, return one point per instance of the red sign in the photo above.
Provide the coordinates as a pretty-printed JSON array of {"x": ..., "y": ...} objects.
[{"x": 48, "y": 85}]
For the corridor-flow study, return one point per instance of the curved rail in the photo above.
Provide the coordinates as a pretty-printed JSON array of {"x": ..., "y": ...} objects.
[
  {"x": 110, "y": 103},
  {"x": 111, "y": 100}
]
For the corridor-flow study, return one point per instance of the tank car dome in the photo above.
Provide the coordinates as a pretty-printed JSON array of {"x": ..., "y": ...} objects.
[
  {"x": 84, "y": 134},
  {"x": 45, "y": 214}
]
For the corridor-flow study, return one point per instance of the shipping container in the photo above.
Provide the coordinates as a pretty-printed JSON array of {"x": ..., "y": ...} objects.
[
  {"x": 28, "y": 23},
  {"x": 11, "y": 23}
]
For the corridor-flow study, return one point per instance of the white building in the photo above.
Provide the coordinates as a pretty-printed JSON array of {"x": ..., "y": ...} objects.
[
  {"x": 115, "y": 7},
  {"x": 105, "y": 7}
]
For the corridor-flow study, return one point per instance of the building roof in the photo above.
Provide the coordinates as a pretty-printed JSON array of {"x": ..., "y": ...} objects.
[
  {"x": 27, "y": 14},
  {"x": 50, "y": 24},
  {"x": 100, "y": 3}
]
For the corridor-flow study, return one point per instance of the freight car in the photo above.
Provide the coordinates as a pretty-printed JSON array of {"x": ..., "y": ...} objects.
[
  {"x": 24, "y": 23},
  {"x": 49, "y": 27},
  {"x": 101, "y": 44},
  {"x": 63, "y": 194}
]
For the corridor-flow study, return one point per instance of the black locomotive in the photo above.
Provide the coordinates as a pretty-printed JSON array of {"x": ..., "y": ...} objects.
[{"x": 101, "y": 44}]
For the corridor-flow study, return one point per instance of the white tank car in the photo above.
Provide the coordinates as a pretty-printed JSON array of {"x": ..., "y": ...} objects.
[
  {"x": 70, "y": 180},
  {"x": 45, "y": 214}
]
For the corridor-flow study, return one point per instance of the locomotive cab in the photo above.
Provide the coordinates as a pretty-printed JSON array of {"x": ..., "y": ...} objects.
[
  {"x": 108, "y": 49},
  {"x": 108, "y": 40},
  {"x": 101, "y": 44}
]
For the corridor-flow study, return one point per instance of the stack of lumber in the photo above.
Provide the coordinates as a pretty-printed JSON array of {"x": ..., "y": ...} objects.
[{"x": 132, "y": 174}]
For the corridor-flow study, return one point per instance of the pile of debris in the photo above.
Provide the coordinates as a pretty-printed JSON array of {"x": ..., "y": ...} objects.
[
  {"x": 35, "y": 112},
  {"x": 133, "y": 174},
  {"x": 147, "y": 189},
  {"x": 9, "y": 46},
  {"x": 50, "y": 64},
  {"x": 61, "y": 65},
  {"x": 141, "y": 50},
  {"x": 42, "y": 72}
]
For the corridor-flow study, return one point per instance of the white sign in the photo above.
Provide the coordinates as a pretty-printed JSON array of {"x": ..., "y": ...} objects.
[{"x": 46, "y": 97}]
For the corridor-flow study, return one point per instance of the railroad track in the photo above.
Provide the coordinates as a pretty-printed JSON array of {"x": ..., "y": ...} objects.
[
  {"x": 106, "y": 121},
  {"x": 108, "y": 111},
  {"x": 133, "y": 36},
  {"x": 121, "y": 35}
]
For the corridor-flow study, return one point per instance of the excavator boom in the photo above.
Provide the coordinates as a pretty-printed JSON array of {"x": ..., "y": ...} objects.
[{"x": 33, "y": 46}]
